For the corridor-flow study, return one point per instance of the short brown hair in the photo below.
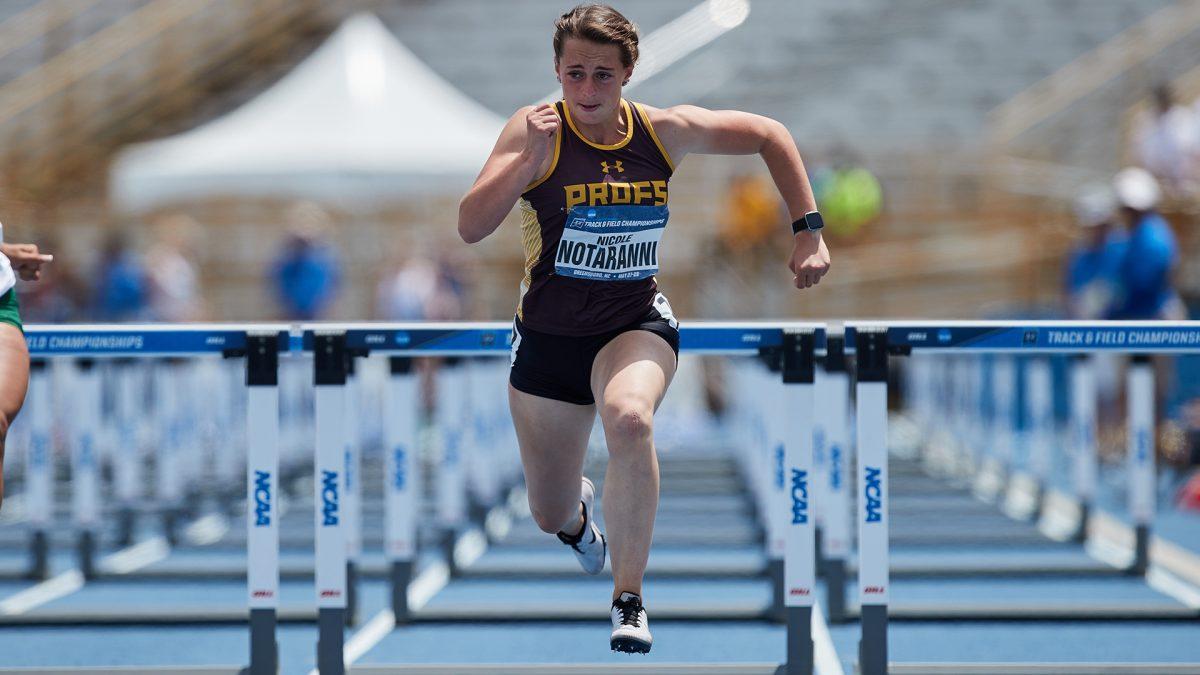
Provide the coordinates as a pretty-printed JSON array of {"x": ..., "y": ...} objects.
[{"x": 601, "y": 24}]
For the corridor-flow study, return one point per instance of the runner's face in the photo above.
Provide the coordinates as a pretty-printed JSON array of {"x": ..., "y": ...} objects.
[{"x": 591, "y": 76}]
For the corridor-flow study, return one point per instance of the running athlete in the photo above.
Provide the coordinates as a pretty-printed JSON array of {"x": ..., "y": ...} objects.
[
  {"x": 24, "y": 261},
  {"x": 592, "y": 332}
]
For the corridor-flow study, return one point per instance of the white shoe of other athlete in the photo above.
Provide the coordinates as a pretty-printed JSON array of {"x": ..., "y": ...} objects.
[
  {"x": 589, "y": 544},
  {"x": 631, "y": 626}
]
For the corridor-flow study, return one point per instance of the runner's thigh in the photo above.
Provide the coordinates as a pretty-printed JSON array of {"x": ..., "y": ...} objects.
[
  {"x": 634, "y": 369},
  {"x": 553, "y": 436},
  {"x": 14, "y": 370}
]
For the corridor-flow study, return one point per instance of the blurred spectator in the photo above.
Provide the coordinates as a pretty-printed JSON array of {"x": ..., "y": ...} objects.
[
  {"x": 174, "y": 285},
  {"x": 1094, "y": 263},
  {"x": 848, "y": 194},
  {"x": 305, "y": 274},
  {"x": 1144, "y": 274},
  {"x": 1166, "y": 141},
  {"x": 751, "y": 216},
  {"x": 425, "y": 287},
  {"x": 404, "y": 294},
  {"x": 121, "y": 282}
]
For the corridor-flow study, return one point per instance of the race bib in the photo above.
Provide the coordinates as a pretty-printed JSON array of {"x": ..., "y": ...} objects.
[{"x": 611, "y": 243}]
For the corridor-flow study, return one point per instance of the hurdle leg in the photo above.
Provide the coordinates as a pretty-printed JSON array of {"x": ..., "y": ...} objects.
[
  {"x": 1140, "y": 449},
  {"x": 775, "y": 499},
  {"x": 835, "y": 393},
  {"x": 85, "y": 470},
  {"x": 329, "y": 485},
  {"x": 873, "y": 576},
  {"x": 400, "y": 476},
  {"x": 800, "y": 552},
  {"x": 1083, "y": 431},
  {"x": 352, "y": 499},
  {"x": 40, "y": 468},
  {"x": 262, "y": 509}
]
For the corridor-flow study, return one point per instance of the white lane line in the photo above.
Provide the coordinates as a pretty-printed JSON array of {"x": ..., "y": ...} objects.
[
  {"x": 207, "y": 530},
  {"x": 1109, "y": 553},
  {"x": 825, "y": 658},
  {"x": 428, "y": 583},
  {"x": 121, "y": 562},
  {"x": 368, "y": 636},
  {"x": 47, "y": 591},
  {"x": 469, "y": 548},
  {"x": 135, "y": 557},
  {"x": 1168, "y": 584}
]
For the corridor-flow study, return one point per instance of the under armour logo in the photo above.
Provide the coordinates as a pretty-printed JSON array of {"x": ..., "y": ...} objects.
[{"x": 615, "y": 165}]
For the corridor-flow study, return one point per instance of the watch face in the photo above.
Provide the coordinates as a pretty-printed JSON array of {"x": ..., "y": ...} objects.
[{"x": 813, "y": 220}]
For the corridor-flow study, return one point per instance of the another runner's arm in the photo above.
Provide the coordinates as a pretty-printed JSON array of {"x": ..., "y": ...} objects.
[
  {"x": 521, "y": 155},
  {"x": 687, "y": 129},
  {"x": 26, "y": 260}
]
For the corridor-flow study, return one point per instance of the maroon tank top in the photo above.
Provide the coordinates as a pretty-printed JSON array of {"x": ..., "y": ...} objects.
[{"x": 611, "y": 200}]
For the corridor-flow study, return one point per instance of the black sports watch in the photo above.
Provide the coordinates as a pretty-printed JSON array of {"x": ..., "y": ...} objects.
[{"x": 811, "y": 221}]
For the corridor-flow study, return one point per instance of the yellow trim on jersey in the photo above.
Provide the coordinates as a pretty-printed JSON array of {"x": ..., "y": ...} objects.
[
  {"x": 653, "y": 136},
  {"x": 531, "y": 241},
  {"x": 553, "y": 164},
  {"x": 616, "y": 146}
]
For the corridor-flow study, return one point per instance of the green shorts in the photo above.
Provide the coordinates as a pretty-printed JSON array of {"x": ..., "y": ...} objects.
[{"x": 10, "y": 311}]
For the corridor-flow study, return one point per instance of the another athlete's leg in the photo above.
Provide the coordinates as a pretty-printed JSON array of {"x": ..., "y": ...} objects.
[
  {"x": 629, "y": 377},
  {"x": 14, "y": 380},
  {"x": 553, "y": 436}
]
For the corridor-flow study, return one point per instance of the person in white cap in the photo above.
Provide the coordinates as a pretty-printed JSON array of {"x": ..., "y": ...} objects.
[
  {"x": 1146, "y": 290},
  {"x": 1094, "y": 263}
]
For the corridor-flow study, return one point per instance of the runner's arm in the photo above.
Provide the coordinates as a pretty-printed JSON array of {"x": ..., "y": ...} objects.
[
  {"x": 26, "y": 260},
  {"x": 505, "y": 175},
  {"x": 687, "y": 129}
]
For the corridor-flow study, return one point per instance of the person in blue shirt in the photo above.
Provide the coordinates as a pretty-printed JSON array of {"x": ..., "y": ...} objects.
[
  {"x": 1094, "y": 263},
  {"x": 121, "y": 282},
  {"x": 305, "y": 274},
  {"x": 1145, "y": 271}
]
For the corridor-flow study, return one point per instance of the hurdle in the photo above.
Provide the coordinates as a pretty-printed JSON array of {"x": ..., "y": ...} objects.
[
  {"x": 260, "y": 345},
  {"x": 876, "y": 342},
  {"x": 793, "y": 344}
]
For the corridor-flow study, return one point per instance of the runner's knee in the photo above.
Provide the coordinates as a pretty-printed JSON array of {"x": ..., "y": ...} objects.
[
  {"x": 629, "y": 419},
  {"x": 551, "y": 520}
]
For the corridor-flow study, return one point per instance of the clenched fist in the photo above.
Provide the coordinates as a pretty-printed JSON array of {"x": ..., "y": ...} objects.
[
  {"x": 540, "y": 126},
  {"x": 26, "y": 260},
  {"x": 810, "y": 259}
]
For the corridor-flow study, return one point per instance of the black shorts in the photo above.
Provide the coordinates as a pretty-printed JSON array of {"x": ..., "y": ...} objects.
[{"x": 560, "y": 366}]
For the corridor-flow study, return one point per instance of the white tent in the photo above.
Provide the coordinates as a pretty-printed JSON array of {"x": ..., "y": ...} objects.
[{"x": 361, "y": 120}]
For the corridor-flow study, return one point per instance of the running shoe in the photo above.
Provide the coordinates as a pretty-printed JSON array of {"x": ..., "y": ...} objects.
[
  {"x": 631, "y": 626},
  {"x": 589, "y": 544}
]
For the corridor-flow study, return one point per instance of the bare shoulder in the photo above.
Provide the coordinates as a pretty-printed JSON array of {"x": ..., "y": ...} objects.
[
  {"x": 675, "y": 118},
  {"x": 675, "y": 126}
]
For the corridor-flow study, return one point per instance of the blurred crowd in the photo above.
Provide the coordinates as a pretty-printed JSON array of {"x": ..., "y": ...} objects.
[
  {"x": 156, "y": 276},
  {"x": 1124, "y": 266},
  {"x": 1165, "y": 140}
]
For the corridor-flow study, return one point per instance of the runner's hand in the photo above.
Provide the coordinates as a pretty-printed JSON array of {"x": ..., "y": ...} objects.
[
  {"x": 541, "y": 124},
  {"x": 810, "y": 259},
  {"x": 26, "y": 260}
]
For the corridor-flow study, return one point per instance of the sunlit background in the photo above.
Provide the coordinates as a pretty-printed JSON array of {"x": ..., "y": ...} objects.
[{"x": 947, "y": 141}]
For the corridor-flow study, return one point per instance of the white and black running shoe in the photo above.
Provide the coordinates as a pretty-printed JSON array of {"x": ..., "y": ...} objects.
[
  {"x": 589, "y": 544},
  {"x": 631, "y": 626}
]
